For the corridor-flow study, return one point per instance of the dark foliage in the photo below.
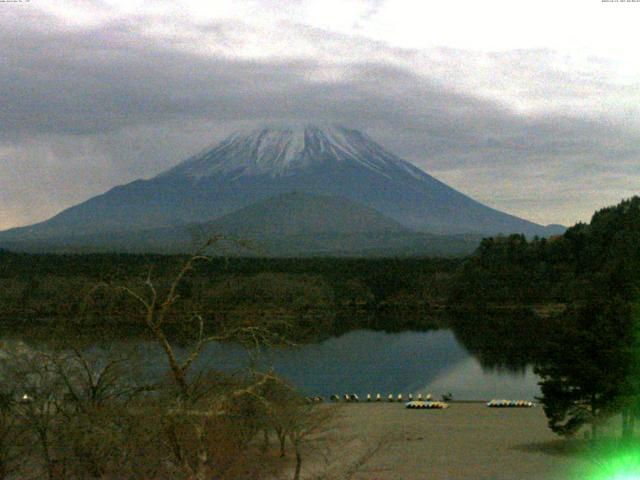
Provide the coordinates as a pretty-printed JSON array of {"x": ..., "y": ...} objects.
[
  {"x": 322, "y": 296},
  {"x": 588, "y": 353}
]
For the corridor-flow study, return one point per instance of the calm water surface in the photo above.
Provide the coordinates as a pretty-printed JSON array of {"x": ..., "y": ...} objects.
[{"x": 365, "y": 361}]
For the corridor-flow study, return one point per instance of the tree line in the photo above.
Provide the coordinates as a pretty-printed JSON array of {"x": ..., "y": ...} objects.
[
  {"x": 588, "y": 352},
  {"x": 323, "y": 295}
]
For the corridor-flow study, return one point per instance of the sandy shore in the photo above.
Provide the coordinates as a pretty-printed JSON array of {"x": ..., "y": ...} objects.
[{"x": 386, "y": 441}]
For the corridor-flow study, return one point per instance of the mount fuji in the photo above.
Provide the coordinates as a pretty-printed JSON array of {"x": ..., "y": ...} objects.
[{"x": 249, "y": 168}]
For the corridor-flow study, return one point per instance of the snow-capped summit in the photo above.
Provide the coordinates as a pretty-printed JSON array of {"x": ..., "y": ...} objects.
[{"x": 285, "y": 150}]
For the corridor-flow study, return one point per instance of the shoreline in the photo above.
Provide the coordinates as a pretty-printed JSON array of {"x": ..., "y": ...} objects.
[{"x": 386, "y": 441}]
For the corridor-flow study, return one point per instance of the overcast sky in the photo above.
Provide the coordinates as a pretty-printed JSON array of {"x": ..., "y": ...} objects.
[{"x": 530, "y": 107}]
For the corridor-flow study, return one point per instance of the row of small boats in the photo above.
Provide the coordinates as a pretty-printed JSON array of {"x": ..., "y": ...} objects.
[
  {"x": 419, "y": 402},
  {"x": 491, "y": 404},
  {"x": 503, "y": 403},
  {"x": 352, "y": 397}
]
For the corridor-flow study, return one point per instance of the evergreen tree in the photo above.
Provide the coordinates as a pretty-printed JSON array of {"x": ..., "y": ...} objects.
[{"x": 588, "y": 364}]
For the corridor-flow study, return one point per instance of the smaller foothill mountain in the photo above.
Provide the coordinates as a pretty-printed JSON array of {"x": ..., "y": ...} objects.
[
  {"x": 299, "y": 224},
  {"x": 294, "y": 191}
]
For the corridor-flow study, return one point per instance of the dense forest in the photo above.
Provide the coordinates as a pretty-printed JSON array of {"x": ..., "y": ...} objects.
[
  {"x": 587, "y": 348},
  {"x": 317, "y": 296},
  {"x": 601, "y": 258}
]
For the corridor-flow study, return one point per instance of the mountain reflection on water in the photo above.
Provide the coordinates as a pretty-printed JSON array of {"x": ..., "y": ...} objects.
[
  {"x": 367, "y": 361},
  {"x": 479, "y": 358}
]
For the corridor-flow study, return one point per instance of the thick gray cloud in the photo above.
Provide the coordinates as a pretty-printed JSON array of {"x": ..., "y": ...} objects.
[{"x": 85, "y": 109}]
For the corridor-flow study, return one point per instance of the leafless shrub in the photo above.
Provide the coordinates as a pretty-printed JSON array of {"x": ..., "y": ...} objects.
[{"x": 76, "y": 414}]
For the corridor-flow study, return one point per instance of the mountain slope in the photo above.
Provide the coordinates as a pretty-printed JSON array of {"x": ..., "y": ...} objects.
[
  {"x": 250, "y": 167},
  {"x": 293, "y": 224}
]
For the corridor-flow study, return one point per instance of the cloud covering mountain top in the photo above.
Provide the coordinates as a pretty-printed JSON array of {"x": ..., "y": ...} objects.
[{"x": 535, "y": 117}]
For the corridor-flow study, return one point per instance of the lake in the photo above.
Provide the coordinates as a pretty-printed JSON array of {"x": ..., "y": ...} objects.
[
  {"x": 366, "y": 361},
  {"x": 361, "y": 362}
]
